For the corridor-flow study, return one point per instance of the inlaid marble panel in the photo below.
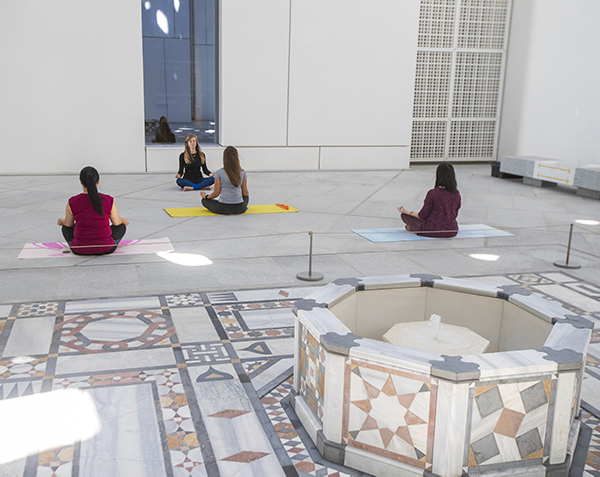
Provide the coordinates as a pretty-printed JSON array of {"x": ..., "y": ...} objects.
[
  {"x": 230, "y": 369},
  {"x": 227, "y": 410},
  {"x": 389, "y": 413},
  {"x": 173, "y": 424},
  {"x": 113, "y": 330},
  {"x": 22, "y": 368},
  {"x": 129, "y": 429},
  {"x": 38, "y": 309},
  {"x": 184, "y": 300},
  {"x": 88, "y": 306},
  {"x": 255, "y": 320},
  {"x": 312, "y": 371},
  {"x": 296, "y": 442},
  {"x": 508, "y": 422},
  {"x": 30, "y": 336}
]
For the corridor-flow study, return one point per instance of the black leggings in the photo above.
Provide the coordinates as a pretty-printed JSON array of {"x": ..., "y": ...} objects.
[
  {"x": 117, "y": 233},
  {"x": 217, "y": 207}
]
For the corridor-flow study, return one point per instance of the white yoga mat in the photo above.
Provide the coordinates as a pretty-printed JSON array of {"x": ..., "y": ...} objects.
[
  {"x": 399, "y": 234},
  {"x": 125, "y": 247}
]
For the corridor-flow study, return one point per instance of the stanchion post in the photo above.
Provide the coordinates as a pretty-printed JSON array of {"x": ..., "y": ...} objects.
[
  {"x": 310, "y": 276},
  {"x": 566, "y": 263}
]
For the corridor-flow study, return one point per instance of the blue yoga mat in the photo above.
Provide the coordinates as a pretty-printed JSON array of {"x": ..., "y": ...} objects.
[{"x": 399, "y": 234}]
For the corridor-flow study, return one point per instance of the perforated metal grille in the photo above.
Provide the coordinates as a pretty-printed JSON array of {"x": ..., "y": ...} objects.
[
  {"x": 432, "y": 84},
  {"x": 482, "y": 24},
  {"x": 428, "y": 139},
  {"x": 471, "y": 139},
  {"x": 436, "y": 24},
  {"x": 458, "y": 82},
  {"x": 476, "y": 84}
]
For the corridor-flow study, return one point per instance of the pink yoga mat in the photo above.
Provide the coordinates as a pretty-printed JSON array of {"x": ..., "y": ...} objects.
[{"x": 126, "y": 247}]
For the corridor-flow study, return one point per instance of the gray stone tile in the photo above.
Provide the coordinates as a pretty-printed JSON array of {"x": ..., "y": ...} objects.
[
  {"x": 331, "y": 203},
  {"x": 534, "y": 397},
  {"x": 172, "y": 278},
  {"x": 108, "y": 304},
  {"x": 28, "y": 285},
  {"x": 332, "y": 267},
  {"x": 498, "y": 280},
  {"x": 102, "y": 281},
  {"x": 551, "y": 254},
  {"x": 449, "y": 263},
  {"x": 506, "y": 219},
  {"x": 585, "y": 303},
  {"x": 193, "y": 325},
  {"x": 253, "y": 273},
  {"x": 529, "y": 443},
  {"x": 489, "y": 402},
  {"x": 485, "y": 448},
  {"x": 383, "y": 263}
]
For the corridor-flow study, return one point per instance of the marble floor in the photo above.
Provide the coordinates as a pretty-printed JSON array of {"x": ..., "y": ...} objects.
[
  {"x": 188, "y": 384},
  {"x": 185, "y": 370}
]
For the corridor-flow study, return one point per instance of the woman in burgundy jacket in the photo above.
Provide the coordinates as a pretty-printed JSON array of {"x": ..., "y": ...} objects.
[{"x": 437, "y": 217}]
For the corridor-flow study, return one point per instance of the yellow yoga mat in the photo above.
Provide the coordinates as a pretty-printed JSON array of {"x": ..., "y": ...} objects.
[{"x": 252, "y": 209}]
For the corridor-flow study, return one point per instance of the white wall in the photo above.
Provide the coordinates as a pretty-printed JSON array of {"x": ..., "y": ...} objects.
[
  {"x": 71, "y": 88},
  {"x": 335, "y": 77},
  {"x": 253, "y": 69},
  {"x": 551, "y": 104},
  {"x": 352, "y": 72}
]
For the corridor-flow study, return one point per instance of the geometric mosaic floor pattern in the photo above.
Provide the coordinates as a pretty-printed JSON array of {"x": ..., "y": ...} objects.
[{"x": 194, "y": 384}]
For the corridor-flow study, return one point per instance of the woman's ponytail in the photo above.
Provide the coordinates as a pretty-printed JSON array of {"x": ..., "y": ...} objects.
[{"x": 89, "y": 177}]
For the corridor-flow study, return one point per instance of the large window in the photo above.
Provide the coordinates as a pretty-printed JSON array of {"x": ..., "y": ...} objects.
[
  {"x": 180, "y": 67},
  {"x": 461, "y": 55}
]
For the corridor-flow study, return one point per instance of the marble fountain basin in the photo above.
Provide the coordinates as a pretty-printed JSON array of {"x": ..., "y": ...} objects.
[{"x": 391, "y": 410}]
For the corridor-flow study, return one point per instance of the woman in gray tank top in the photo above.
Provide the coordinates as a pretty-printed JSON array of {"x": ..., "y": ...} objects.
[{"x": 230, "y": 186}]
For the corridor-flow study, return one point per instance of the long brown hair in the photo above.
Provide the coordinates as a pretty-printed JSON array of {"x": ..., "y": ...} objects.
[
  {"x": 231, "y": 165},
  {"x": 188, "y": 153},
  {"x": 445, "y": 177}
]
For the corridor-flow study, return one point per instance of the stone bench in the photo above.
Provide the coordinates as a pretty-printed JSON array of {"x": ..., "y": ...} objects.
[
  {"x": 544, "y": 172},
  {"x": 587, "y": 181}
]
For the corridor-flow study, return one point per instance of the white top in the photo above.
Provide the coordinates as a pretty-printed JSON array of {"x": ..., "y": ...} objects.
[{"x": 451, "y": 340}]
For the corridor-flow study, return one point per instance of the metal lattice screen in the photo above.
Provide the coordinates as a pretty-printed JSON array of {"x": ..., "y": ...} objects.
[{"x": 458, "y": 82}]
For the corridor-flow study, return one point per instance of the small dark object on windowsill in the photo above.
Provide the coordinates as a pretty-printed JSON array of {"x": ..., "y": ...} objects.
[{"x": 164, "y": 133}]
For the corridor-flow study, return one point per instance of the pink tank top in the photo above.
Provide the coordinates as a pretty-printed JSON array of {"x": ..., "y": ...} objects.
[{"x": 91, "y": 228}]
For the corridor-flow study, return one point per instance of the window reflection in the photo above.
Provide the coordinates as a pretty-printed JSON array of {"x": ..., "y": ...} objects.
[{"x": 179, "y": 67}]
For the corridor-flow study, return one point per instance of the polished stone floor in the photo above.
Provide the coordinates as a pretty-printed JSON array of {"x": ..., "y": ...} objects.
[
  {"x": 261, "y": 251},
  {"x": 187, "y": 369},
  {"x": 189, "y": 384}
]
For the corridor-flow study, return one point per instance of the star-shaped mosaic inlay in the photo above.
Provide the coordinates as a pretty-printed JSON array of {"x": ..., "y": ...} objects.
[{"x": 390, "y": 412}]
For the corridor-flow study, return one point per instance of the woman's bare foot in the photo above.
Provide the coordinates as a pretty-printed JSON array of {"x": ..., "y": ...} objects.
[
  {"x": 206, "y": 188},
  {"x": 188, "y": 188},
  {"x": 408, "y": 228}
]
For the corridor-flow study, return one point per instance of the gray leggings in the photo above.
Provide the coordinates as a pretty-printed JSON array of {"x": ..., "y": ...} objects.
[{"x": 217, "y": 207}]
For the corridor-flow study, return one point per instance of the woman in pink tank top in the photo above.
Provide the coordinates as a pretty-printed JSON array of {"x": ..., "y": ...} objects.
[{"x": 92, "y": 225}]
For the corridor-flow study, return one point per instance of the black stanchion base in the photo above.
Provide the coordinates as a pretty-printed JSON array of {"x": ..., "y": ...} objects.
[
  {"x": 310, "y": 277},
  {"x": 567, "y": 265}
]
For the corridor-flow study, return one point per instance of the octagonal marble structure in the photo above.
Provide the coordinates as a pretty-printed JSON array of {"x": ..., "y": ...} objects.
[{"x": 393, "y": 411}]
